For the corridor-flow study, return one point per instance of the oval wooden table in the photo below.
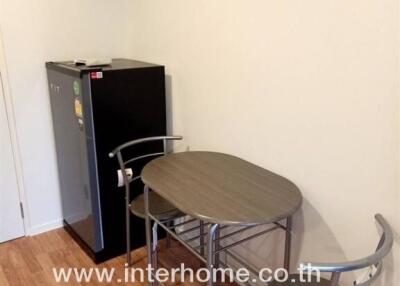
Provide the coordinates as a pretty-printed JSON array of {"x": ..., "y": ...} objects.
[{"x": 221, "y": 190}]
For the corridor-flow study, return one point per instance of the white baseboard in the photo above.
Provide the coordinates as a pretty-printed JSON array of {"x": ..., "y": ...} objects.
[{"x": 37, "y": 229}]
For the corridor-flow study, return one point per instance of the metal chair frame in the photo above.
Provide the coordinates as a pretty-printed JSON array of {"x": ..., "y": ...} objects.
[
  {"x": 384, "y": 246},
  {"x": 127, "y": 181}
]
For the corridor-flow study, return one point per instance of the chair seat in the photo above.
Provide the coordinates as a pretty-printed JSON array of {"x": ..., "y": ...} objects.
[
  {"x": 159, "y": 207},
  {"x": 296, "y": 277}
]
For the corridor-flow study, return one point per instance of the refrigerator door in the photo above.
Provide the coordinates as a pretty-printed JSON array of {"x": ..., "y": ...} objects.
[
  {"x": 127, "y": 104},
  {"x": 73, "y": 129}
]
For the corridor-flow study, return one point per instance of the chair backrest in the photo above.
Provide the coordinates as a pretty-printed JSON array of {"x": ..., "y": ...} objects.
[
  {"x": 374, "y": 260},
  {"x": 123, "y": 164}
]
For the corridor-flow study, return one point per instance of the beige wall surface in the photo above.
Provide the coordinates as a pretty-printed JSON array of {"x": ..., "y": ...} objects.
[
  {"x": 308, "y": 89},
  {"x": 35, "y": 32}
]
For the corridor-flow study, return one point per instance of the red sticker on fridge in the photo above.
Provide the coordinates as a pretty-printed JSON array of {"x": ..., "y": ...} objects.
[{"x": 96, "y": 75}]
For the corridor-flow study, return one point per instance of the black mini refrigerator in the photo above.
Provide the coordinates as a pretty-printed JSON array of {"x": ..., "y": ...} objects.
[{"x": 94, "y": 110}]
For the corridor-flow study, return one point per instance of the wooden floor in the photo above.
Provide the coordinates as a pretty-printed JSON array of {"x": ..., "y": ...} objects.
[{"x": 30, "y": 260}]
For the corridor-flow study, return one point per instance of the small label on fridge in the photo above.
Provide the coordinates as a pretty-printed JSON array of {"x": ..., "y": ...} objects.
[
  {"x": 78, "y": 108},
  {"x": 96, "y": 75},
  {"x": 77, "y": 88},
  {"x": 80, "y": 123}
]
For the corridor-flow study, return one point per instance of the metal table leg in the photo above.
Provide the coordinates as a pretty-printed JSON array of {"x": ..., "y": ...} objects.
[
  {"x": 127, "y": 212},
  {"x": 288, "y": 241},
  {"x": 217, "y": 246},
  {"x": 210, "y": 253},
  {"x": 128, "y": 232},
  {"x": 335, "y": 279},
  {"x": 154, "y": 247},
  {"x": 148, "y": 232}
]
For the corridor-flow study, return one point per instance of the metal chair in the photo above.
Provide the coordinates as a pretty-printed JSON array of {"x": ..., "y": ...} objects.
[
  {"x": 374, "y": 260},
  {"x": 163, "y": 210}
]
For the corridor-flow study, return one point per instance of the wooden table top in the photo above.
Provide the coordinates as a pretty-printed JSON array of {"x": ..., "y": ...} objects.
[{"x": 221, "y": 188}]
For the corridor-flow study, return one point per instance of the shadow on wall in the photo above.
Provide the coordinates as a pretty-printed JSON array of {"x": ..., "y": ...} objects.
[
  {"x": 268, "y": 250},
  {"x": 389, "y": 270},
  {"x": 177, "y": 146},
  {"x": 169, "y": 103},
  {"x": 323, "y": 240}
]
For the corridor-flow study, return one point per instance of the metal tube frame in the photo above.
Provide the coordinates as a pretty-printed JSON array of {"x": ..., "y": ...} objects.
[
  {"x": 148, "y": 231},
  {"x": 184, "y": 222},
  {"x": 143, "y": 156},
  {"x": 190, "y": 229},
  {"x": 209, "y": 251},
  {"x": 246, "y": 239},
  {"x": 127, "y": 211},
  {"x": 154, "y": 247},
  {"x": 288, "y": 243},
  {"x": 175, "y": 236},
  {"x": 143, "y": 140},
  {"x": 335, "y": 279},
  {"x": 202, "y": 245},
  {"x": 217, "y": 246},
  {"x": 201, "y": 237}
]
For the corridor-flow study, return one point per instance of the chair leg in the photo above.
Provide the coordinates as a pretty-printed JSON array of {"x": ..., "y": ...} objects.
[
  {"x": 210, "y": 252},
  {"x": 128, "y": 235},
  {"x": 335, "y": 279},
  {"x": 217, "y": 247},
  {"x": 288, "y": 242},
  {"x": 148, "y": 232},
  {"x": 155, "y": 249}
]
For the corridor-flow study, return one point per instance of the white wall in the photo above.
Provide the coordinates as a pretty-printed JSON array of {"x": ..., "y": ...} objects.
[
  {"x": 308, "y": 89},
  {"x": 35, "y": 32}
]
